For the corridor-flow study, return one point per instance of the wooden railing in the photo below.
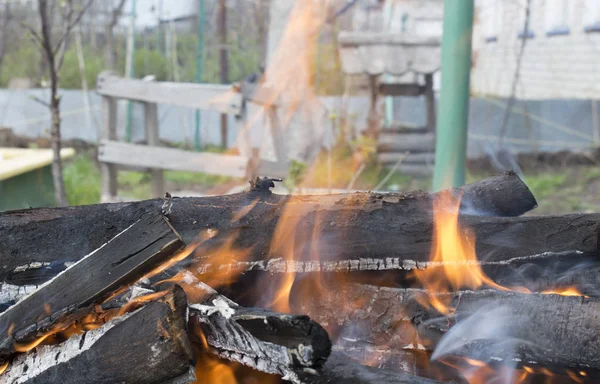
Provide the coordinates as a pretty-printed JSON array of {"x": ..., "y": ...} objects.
[{"x": 113, "y": 154}]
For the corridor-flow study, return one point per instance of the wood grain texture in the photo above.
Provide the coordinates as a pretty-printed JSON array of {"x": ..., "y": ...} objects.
[
  {"x": 135, "y": 251},
  {"x": 383, "y": 228},
  {"x": 149, "y": 345},
  {"x": 551, "y": 330},
  {"x": 114, "y": 152}
]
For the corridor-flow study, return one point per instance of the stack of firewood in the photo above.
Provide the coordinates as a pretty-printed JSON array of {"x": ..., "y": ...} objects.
[{"x": 117, "y": 292}]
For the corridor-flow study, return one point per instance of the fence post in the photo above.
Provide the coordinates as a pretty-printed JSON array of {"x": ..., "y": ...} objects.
[
  {"x": 153, "y": 140},
  {"x": 108, "y": 171}
]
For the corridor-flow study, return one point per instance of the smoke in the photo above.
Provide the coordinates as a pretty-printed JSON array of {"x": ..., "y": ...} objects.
[{"x": 489, "y": 335}]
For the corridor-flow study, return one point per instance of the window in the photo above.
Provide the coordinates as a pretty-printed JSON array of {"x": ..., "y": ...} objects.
[
  {"x": 491, "y": 15},
  {"x": 524, "y": 10},
  {"x": 557, "y": 17},
  {"x": 592, "y": 16}
]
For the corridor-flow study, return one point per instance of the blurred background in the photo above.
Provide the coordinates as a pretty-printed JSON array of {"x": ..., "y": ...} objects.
[{"x": 330, "y": 95}]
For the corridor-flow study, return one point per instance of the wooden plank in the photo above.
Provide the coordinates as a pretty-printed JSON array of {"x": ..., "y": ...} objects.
[
  {"x": 218, "y": 97},
  {"x": 399, "y": 89},
  {"x": 148, "y": 345},
  {"x": 430, "y": 102},
  {"x": 411, "y": 142},
  {"x": 391, "y": 158},
  {"x": 171, "y": 158},
  {"x": 108, "y": 172},
  {"x": 17, "y": 161},
  {"x": 134, "y": 252},
  {"x": 355, "y": 38},
  {"x": 152, "y": 136}
]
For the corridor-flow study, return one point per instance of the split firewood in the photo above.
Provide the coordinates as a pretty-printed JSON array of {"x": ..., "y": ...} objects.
[
  {"x": 360, "y": 230},
  {"x": 131, "y": 254},
  {"x": 341, "y": 369},
  {"x": 488, "y": 325},
  {"x": 149, "y": 345},
  {"x": 267, "y": 341}
]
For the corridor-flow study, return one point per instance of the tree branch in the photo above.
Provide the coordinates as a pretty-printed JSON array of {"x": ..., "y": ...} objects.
[
  {"x": 116, "y": 13},
  {"x": 33, "y": 34},
  {"x": 69, "y": 25}
]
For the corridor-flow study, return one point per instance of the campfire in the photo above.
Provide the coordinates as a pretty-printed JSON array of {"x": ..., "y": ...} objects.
[{"x": 455, "y": 286}]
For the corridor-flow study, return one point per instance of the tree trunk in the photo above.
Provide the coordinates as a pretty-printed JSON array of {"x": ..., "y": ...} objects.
[
  {"x": 223, "y": 63},
  {"x": 57, "y": 171}
]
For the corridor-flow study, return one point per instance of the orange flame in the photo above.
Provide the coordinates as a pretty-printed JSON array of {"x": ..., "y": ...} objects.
[
  {"x": 454, "y": 250},
  {"x": 565, "y": 291}
]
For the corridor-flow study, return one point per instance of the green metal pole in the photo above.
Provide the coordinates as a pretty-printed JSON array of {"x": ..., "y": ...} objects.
[
  {"x": 453, "y": 111},
  {"x": 199, "y": 66},
  {"x": 130, "y": 72}
]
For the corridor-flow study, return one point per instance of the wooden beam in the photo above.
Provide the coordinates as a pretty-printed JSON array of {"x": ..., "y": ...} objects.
[
  {"x": 153, "y": 139},
  {"x": 108, "y": 172},
  {"x": 135, "y": 251},
  {"x": 114, "y": 152},
  {"x": 411, "y": 142},
  {"x": 218, "y": 97},
  {"x": 430, "y": 102},
  {"x": 149, "y": 345},
  {"x": 398, "y": 89}
]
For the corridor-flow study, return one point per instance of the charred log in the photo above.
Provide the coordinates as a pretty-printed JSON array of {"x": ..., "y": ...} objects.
[
  {"x": 39, "y": 243},
  {"x": 339, "y": 368},
  {"x": 122, "y": 261},
  {"x": 267, "y": 341},
  {"x": 546, "y": 329},
  {"x": 149, "y": 345}
]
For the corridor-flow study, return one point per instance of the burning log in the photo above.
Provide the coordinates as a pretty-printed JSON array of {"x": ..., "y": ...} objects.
[
  {"x": 267, "y": 341},
  {"x": 149, "y": 345},
  {"x": 546, "y": 329},
  {"x": 395, "y": 225},
  {"x": 137, "y": 250},
  {"x": 339, "y": 368}
]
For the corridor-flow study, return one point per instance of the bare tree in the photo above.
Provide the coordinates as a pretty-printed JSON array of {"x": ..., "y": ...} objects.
[
  {"x": 53, "y": 54},
  {"x": 109, "y": 46}
]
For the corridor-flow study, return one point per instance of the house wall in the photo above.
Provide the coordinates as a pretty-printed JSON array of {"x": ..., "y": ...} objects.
[{"x": 561, "y": 58}]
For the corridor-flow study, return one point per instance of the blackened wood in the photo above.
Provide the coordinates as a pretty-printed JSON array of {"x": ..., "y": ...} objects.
[
  {"x": 149, "y": 345},
  {"x": 340, "y": 368},
  {"x": 359, "y": 225},
  {"x": 268, "y": 341},
  {"x": 137, "y": 250},
  {"x": 547, "y": 329}
]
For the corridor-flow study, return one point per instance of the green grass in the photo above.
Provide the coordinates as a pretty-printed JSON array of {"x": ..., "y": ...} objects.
[
  {"x": 82, "y": 181},
  {"x": 545, "y": 184}
]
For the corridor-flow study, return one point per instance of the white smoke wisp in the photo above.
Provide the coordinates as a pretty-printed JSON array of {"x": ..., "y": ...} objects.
[{"x": 488, "y": 335}]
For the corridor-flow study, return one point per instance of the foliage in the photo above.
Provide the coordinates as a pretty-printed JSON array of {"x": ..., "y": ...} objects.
[
  {"x": 23, "y": 62},
  {"x": 82, "y": 181},
  {"x": 295, "y": 174},
  {"x": 70, "y": 76},
  {"x": 150, "y": 62}
]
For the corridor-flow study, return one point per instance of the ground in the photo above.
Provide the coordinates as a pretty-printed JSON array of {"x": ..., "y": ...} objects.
[{"x": 565, "y": 189}]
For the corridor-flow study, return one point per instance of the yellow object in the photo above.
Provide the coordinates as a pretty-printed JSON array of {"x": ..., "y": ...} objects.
[{"x": 16, "y": 161}]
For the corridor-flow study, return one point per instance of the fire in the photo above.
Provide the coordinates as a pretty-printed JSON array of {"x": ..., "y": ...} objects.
[
  {"x": 210, "y": 369},
  {"x": 565, "y": 291},
  {"x": 454, "y": 250}
]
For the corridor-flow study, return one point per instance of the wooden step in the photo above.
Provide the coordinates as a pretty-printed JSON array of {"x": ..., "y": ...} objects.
[
  {"x": 391, "y": 158},
  {"x": 411, "y": 142},
  {"x": 402, "y": 127}
]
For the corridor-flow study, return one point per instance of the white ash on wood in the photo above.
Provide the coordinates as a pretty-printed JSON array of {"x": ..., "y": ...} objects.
[
  {"x": 137, "y": 250},
  {"x": 389, "y": 226},
  {"x": 149, "y": 345}
]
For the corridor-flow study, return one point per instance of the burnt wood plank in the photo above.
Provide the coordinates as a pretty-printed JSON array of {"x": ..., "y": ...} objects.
[
  {"x": 546, "y": 329},
  {"x": 268, "y": 341},
  {"x": 149, "y": 345},
  {"x": 38, "y": 242},
  {"x": 147, "y": 243}
]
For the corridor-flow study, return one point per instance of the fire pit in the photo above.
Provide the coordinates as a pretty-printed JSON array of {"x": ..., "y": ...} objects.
[{"x": 355, "y": 288}]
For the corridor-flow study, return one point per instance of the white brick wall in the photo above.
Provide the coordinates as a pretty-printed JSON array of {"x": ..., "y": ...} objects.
[{"x": 553, "y": 67}]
